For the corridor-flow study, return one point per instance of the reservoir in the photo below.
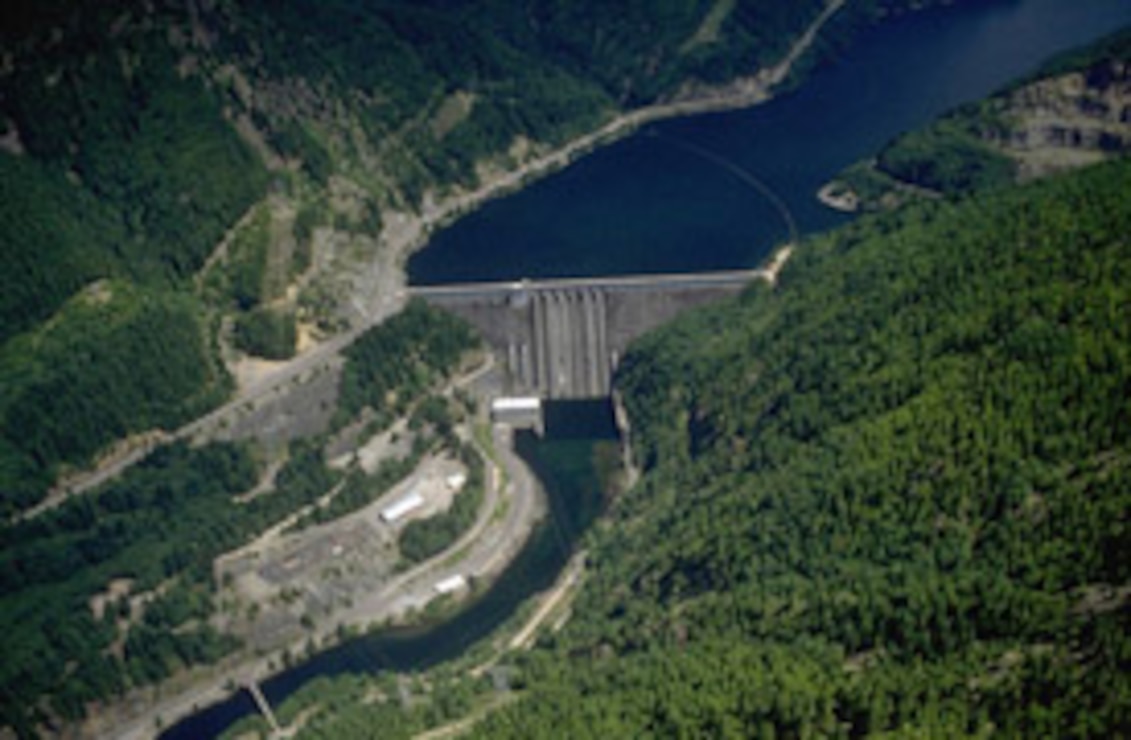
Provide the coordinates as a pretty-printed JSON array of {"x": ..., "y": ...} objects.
[
  {"x": 661, "y": 201},
  {"x": 679, "y": 196}
]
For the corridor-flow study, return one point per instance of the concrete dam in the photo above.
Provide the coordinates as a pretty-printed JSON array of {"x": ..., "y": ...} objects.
[{"x": 563, "y": 338}]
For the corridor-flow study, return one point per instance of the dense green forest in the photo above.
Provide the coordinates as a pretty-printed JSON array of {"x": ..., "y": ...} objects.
[
  {"x": 46, "y": 222},
  {"x": 117, "y": 360},
  {"x": 145, "y": 154},
  {"x": 266, "y": 333},
  {"x": 486, "y": 72},
  {"x": 948, "y": 157},
  {"x": 161, "y": 525},
  {"x": 889, "y": 496},
  {"x": 165, "y": 519},
  {"x": 125, "y": 172},
  {"x": 392, "y": 365}
]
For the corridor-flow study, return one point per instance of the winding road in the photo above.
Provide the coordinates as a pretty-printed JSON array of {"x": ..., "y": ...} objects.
[{"x": 482, "y": 553}]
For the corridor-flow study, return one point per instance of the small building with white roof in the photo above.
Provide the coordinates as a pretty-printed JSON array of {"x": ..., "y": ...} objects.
[
  {"x": 456, "y": 481},
  {"x": 450, "y": 584},
  {"x": 402, "y": 506},
  {"x": 517, "y": 411}
]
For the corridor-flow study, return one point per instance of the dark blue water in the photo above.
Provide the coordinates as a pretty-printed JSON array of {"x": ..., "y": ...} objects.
[
  {"x": 656, "y": 203},
  {"x": 652, "y": 204}
]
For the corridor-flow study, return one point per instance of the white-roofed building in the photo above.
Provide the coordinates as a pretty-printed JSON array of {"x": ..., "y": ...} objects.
[
  {"x": 402, "y": 506},
  {"x": 517, "y": 411},
  {"x": 450, "y": 584}
]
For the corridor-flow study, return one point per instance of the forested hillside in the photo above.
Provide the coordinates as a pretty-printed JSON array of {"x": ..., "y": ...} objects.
[
  {"x": 119, "y": 175},
  {"x": 117, "y": 360},
  {"x": 889, "y": 496},
  {"x": 116, "y": 590}
]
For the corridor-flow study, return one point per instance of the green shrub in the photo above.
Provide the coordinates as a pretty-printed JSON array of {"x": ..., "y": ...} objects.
[{"x": 266, "y": 332}]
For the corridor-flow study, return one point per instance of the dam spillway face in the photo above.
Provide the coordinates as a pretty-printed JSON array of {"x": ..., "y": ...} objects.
[
  {"x": 569, "y": 334},
  {"x": 562, "y": 339}
]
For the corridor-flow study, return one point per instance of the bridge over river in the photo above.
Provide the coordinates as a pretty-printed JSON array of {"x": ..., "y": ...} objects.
[{"x": 562, "y": 338}]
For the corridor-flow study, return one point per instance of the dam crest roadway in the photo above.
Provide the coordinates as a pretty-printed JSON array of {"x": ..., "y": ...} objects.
[{"x": 562, "y": 338}]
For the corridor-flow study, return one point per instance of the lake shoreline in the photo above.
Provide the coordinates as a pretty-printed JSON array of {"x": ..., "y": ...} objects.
[{"x": 406, "y": 233}]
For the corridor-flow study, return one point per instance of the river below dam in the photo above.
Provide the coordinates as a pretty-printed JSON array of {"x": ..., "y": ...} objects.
[
  {"x": 574, "y": 460},
  {"x": 688, "y": 195}
]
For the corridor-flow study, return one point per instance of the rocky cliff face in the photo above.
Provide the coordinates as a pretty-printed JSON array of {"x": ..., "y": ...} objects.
[{"x": 1069, "y": 120}]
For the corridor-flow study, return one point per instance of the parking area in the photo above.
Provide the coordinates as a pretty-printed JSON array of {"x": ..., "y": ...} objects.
[{"x": 281, "y": 588}]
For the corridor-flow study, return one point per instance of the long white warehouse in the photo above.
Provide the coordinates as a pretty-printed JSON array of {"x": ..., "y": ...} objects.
[
  {"x": 516, "y": 403},
  {"x": 402, "y": 506}
]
